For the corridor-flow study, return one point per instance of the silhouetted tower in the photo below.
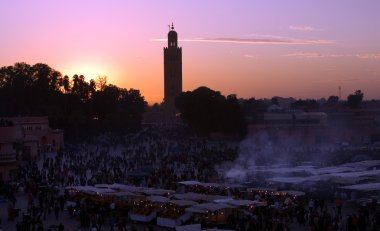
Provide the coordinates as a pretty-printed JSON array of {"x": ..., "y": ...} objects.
[
  {"x": 340, "y": 93},
  {"x": 172, "y": 72}
]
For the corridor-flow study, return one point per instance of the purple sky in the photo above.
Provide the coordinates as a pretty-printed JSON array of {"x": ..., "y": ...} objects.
[{"x": 304, "y": 49}]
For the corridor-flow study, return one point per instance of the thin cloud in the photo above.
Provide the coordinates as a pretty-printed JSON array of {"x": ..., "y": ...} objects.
[
  {"x": 249, "y": 56},
  {"x": 304, "y": 28},
  {"x": 268, "y": 36},
  {"x": 304, "y": 55},
  {"x": 283, "y": 41},
  {"x": 340, "y": 80},
  {"x": 320, "y": 55},
  {"x": 314, "y": 55},
  {"x": 368, "y": 56},
  {"x": 349, "y": 80}
]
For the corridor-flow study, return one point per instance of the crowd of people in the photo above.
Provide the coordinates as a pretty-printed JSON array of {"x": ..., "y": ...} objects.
[{"x": 155, "y": 157}]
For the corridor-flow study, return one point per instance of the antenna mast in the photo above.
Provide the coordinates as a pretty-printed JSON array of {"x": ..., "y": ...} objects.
[{"x": 340, "y": 92}]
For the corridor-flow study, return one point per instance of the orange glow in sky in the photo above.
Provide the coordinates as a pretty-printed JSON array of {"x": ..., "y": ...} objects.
[{"x": 255, "y": 49}]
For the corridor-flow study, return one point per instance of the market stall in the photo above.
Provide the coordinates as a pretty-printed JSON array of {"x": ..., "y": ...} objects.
[
  {"x": 143, "y": 211},
  {"x": 174, "y": 213},
  {"x": 212, "y": 213}
]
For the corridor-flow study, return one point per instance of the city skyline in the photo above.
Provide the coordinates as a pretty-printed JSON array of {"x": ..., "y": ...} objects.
[{"x": 253, "y": 49}]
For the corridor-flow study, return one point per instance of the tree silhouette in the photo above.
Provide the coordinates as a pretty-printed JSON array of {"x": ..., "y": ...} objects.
[
  {"x": 332, "y": 104},
  {"x": 39, "y": 90},
  {"x": 306, "y": 105},
  {"x": 117, "y": 108},
  {"x": 354, "y": 100},
  {"x": 332, "y": 100},
  {"x": 252, "y": 108},
  {"x": 81, "y": 88},
  {"x": 101, "y": 82},
  {"x": 46, "y": 78},
  {"x": 208, "y": 111},
  {"x": 66, "y": 84}
]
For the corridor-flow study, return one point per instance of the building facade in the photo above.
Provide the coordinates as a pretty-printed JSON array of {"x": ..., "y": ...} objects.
[
  {"x": 10, "y": 136},
  {"x": 351, "y": 127},
  {"x": 172, "y": 73},
  {"x": 22, "y": 139}
]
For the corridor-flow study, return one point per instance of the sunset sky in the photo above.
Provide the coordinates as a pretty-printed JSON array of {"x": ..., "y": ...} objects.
[{"x": 299, "y": 48}]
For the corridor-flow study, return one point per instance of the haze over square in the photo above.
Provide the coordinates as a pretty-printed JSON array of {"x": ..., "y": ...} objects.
[{"x": 250, "y": 48}]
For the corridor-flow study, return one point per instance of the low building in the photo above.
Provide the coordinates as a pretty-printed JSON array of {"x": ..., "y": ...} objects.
[
  {"x": 23, "y": 138},
  {"x": 36, "y": 131},
  {"x": 302, "y": 119},
  {"x": 317, "y": 128},
  {"x": 10, "y": 136}
]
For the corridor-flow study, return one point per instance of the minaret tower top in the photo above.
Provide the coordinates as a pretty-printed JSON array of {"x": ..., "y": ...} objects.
[{"x": 172, "y": 37}]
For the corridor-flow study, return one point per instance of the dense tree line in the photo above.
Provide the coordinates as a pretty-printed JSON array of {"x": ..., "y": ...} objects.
[
  {"x": 208, "y": 111},
  {"x": 307, "y": 105},
  {"x": 73, "y": 104}
]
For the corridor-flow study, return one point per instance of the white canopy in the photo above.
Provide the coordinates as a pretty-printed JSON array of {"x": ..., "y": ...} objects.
[
  {"x": 192, "y": 183},
  {"x": 202, "y": 208},
  {"x": 90, "y": 189},
  {"x": 240, "y": 202},
  {"x": 189, "y": 182},
  {"x": 183, "y": 203},
  {"x": 157, "y": 199},
  {"x": 195, "y": 227},
  {"x": 154, "y": 191},
  {"x": 123, "y": 194}
]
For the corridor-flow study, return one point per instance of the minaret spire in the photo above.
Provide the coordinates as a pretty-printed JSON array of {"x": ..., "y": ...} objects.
[{"x": 172, "y": 73}]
